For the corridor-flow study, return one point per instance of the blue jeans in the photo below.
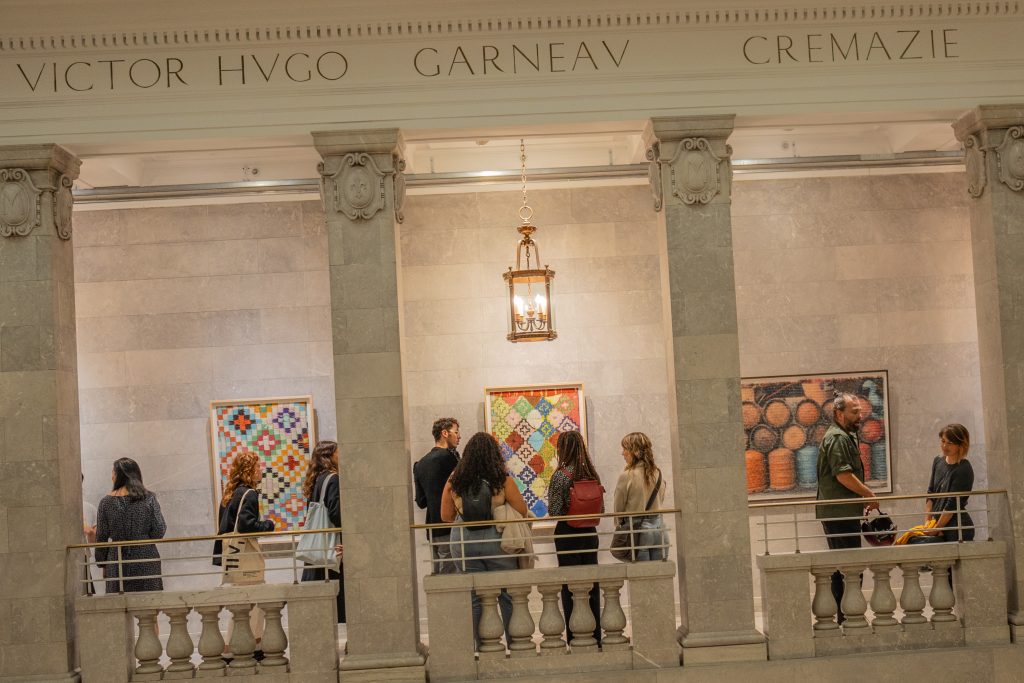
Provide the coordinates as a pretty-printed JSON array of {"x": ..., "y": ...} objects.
[{"x": 469, "y": 546}]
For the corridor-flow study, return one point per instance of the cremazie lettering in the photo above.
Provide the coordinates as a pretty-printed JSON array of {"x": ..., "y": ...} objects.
[
  {"x": 857, "y": 46},
  {"x": 484, "y": 60}
]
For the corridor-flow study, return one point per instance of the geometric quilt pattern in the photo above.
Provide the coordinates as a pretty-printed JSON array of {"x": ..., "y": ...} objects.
[
  {"x": 527, "y": 422},
  {"x": 277, "y": 430}
]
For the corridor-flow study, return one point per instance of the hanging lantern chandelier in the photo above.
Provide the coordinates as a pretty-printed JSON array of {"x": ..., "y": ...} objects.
[{"x": 529, "y": 286}]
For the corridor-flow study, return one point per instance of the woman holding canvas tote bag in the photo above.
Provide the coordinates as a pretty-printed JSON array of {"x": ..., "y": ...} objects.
[
  {"x": 321, "y": 486},
  {"x": 240, "y": 513}
]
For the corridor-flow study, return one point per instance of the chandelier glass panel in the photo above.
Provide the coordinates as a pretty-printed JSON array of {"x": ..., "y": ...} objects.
[{"x": 530, "y": 303}]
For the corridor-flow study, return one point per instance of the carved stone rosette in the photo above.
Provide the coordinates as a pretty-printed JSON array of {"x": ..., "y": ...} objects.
[
  {"x": 20, "y": 203},
  {"x": 356, "y": 187},
  {"x": 654, "y": 175},
  {"x": 63, "y": 203},
  {"x": 399, "y": 188},
  {"x": 974, "y": 160},
  {"x": 695, "y": 171},
  {"x": 1010, "y": 158}
]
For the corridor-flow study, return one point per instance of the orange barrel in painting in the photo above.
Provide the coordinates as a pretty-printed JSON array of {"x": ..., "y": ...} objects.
[
  {"x": 746, "y": 393},
  {"x": 865, "y": 459},
  {"x": 872, "y": 430},
  {"x": 826, "y": 412},
  {"x": 751, "y": 414},
  {"x": 808, "y": 412},
  {"x": 807, "y": 466},
  {"x": 763, "y": 438},
  {"x": 757, "y": 474},
  {"x": 865, "y": 408},
  {"x": 794, "y": 437},
  {"x": 781, "y": 470},
  {"x": 777, "y": 413},
  {"x": 815, "y": 391}
]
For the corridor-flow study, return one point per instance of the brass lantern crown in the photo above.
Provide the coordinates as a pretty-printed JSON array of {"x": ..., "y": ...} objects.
[{"x": 529, "y": 285}]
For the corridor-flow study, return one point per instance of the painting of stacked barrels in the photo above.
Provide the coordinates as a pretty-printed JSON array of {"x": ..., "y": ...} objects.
[{"x": 785, "y": 419}]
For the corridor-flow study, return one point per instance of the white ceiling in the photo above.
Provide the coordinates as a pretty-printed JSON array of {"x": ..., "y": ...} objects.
[{"x": 218, "y": 161}]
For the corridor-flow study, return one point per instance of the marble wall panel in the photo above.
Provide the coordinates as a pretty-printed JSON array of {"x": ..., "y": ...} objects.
[{"x": 179, "y": 306}]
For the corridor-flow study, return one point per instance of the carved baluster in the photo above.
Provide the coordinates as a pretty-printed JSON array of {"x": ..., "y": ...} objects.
[
  {"x": 582, "y": 621},
  {"x": 491, "y": 628},
  {"x": 148, "y": 648},
  {"x": 854, "y": 605},
  {"x": 552, "y": 625},
  {"x": 613, "y": 619},
  {"x": 883, "y": 601},
  {"x": 274, "y": 639},
  {"x": 242, "y": 641},
  {"x": 521, "y": 626},
  {"x": 211, "y": 642},
  {"x": 179, "y": 644},
  {"x": 824, "y": 604},
  {"x": 941, "y": 596},
  {"x": 912, "y": 597}
]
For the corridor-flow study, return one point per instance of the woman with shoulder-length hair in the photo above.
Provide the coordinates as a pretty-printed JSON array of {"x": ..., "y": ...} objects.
[
  {"x": 129, "y": 513},
  {"x": 241, "y": 504},
  {"x": 481, "y": 480},
  {"x": 640, "y": 482},
  {"x": 322, "y": 483},
  {"x": 576, "y": 545},
  {"x": 951, "y": 473}
]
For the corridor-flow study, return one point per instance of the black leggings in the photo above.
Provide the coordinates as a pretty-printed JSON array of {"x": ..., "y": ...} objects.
[{"x": 565, "y": 542}]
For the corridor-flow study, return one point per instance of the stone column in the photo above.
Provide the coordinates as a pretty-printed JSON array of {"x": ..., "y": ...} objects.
[
  {"x": 40, "y": 465},
  {"x": 363, "y": 190},
  {"x": 993, "y": 139},
  {"x": 691, "y": 181}
]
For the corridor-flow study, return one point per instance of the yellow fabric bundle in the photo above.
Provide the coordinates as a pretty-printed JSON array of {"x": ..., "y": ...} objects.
[{"x": 916, "y": 531}]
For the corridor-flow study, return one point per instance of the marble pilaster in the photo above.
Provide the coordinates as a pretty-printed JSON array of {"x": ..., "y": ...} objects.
[
  {"x": 993, "y": 139},
  {"x": 691, "y": 182},
  {"x": 40, "y": 468},
  {"x": 363, "y": 192}
]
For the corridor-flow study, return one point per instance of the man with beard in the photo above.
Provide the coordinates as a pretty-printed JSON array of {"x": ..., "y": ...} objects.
[
  {"x": 841, "y": 475},
  {"x": 430, "y": 475}
]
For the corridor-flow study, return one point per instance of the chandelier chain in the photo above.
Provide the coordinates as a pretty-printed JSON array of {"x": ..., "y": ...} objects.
[{"x": 522, "y": 163}]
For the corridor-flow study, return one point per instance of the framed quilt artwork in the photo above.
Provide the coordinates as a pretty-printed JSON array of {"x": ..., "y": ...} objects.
[
  {"x": 785, "y": 418},
  {"x": 527, "y": 420},
  {"x": 282, "y": 431}
]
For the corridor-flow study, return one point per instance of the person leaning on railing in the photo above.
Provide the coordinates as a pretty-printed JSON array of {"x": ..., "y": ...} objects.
[
  {"x": 129, "y": 513},
  {"x": 951, "y": 471},
  {"x": 323, "y": 471},
  {"x": 574, "y": 464}
]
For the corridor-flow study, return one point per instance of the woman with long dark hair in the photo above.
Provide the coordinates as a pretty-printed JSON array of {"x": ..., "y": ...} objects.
[
  {"x": 129, "y": 513},
  {"x": 322, "y": 482},
  {"x": 576, "y": 545},
  {"x": 480, "y": 472}
]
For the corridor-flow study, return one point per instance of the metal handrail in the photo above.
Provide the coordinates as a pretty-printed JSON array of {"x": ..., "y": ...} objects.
[
  {"x": 214, "y": 537},
  {"x": 551, "y": 518},
  {"x": 842, "y": 501}
]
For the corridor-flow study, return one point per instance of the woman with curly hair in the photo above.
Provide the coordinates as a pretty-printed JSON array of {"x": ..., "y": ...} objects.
[
  {"x": 639, "y": 483},
  {"x": 241, "y": 504},
  {"x": 322, "y": 482},
  {"x": 478, "y": 549}
]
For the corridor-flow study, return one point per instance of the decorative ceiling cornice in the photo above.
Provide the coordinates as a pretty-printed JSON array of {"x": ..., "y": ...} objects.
[{"x": 434, "y": 28}]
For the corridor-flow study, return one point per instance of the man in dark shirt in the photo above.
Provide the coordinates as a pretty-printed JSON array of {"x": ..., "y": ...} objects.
[
  {"x": 841, "y": 475},
  {"x": 430, "y": 475}
]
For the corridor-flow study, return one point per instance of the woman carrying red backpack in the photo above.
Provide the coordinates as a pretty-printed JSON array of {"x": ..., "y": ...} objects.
[{"x": 575, "y": 489}]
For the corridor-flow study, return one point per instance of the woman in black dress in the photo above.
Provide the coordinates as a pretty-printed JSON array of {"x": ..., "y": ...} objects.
[
  {"x": 323, "y": 471},
  {"x": 129, "y": 513},
  {"x": 951, "y": 472}
]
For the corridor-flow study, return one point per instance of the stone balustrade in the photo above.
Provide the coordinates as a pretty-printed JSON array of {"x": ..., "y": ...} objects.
[
  {"x": 537, "y": 646},
  {"x": 965, "y": 604},
  {"x": 307, "y": 652}
]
